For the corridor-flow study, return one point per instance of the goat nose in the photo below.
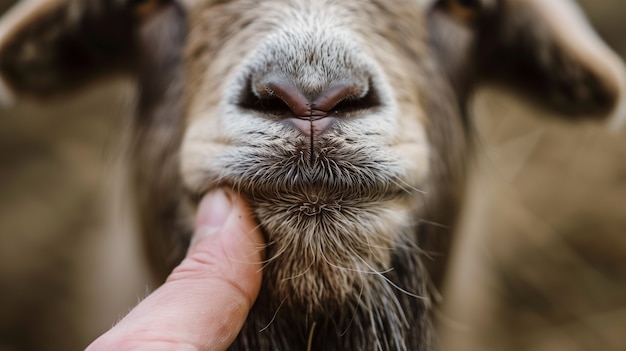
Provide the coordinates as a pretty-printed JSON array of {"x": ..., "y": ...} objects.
[{"x": 312, "y": 114}]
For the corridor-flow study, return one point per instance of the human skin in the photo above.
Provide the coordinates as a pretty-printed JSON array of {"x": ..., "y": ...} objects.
[{"x": 205, "y": 300}]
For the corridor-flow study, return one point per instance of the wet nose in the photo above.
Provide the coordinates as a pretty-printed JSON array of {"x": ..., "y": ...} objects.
[{"x": 311, "y": 114}]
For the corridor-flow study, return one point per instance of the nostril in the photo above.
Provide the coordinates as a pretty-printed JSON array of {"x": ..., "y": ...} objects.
[
  {"x": 264, "y": 100},
  {"x": 273, "y": 105},
  {"x": 281, "y": 99},
  {"x": 351, "y": 100},
  {"x": 290, "y": 95},
  {"x": 275, "y": 98}
]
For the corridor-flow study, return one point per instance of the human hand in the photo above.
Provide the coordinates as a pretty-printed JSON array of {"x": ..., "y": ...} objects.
[{"x": 206, "y": 299}]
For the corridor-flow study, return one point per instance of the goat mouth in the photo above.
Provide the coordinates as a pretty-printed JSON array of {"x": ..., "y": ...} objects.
[
  {"x": 313, "y": 189},
  {"x": 331, "y": 173},
  {"x": 311, "y": 197}
]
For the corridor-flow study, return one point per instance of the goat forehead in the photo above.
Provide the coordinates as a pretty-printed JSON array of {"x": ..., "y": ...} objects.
[
  {"x": 271, "y": 14},
  {"x": 306, "y": 4}
]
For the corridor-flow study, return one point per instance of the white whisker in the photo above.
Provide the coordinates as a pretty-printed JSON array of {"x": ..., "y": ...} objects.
[{"x": 274, "y": 316}]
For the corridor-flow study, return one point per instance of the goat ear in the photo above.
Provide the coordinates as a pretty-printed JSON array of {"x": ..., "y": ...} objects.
[
  {"x": 50, "y": 46},
  {"x": 549, "y": 48}
]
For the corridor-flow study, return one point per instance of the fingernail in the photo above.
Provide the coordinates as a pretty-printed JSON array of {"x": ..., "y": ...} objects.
[{"x": 213, "y": 210}]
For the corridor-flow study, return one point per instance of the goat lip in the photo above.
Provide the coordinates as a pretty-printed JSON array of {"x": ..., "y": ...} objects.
[
  {"x": 304, "y": 189},
  {"x": 308, "y": 126}
]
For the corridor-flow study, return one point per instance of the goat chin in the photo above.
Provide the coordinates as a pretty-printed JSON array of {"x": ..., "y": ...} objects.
[{"x": 344, "y": 123}]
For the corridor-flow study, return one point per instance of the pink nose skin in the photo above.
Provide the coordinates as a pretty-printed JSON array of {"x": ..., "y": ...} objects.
[{"x": 311, "y": 117}]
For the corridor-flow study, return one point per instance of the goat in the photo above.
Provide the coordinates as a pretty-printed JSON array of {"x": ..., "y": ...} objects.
[{"x": 344, "y": 123}]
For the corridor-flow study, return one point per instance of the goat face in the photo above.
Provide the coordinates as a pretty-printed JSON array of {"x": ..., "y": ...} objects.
[
  {"x": 344, "y": 123},
  {"x": 323, "y": 127}
]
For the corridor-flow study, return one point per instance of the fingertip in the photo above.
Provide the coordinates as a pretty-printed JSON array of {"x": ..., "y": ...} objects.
[
  {"x": 214, "y": 209},
  {"x": 224, "y": 209},
  {"x": 228, "y": 237}
]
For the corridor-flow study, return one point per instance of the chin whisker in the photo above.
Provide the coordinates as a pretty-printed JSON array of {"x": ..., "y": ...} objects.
[{"x": 274, "y": 316}]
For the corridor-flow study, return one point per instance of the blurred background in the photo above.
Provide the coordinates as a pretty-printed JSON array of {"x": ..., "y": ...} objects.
[
  {"x": 70, "y": 263},
  {"x": 541, "y": 256},
  {"x": 543, "y": 265}
]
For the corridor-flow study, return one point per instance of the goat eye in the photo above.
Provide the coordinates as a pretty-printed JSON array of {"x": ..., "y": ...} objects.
[
  {"x": 144, "y": 8},
  {"x": 464, "y": 10}
]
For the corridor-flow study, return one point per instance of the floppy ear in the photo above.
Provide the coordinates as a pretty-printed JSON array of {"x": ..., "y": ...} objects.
[
  {"x": 53, "y": 46},
  {"x": 547, "y": 48},
  {"x": 50, "y": 46}
]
